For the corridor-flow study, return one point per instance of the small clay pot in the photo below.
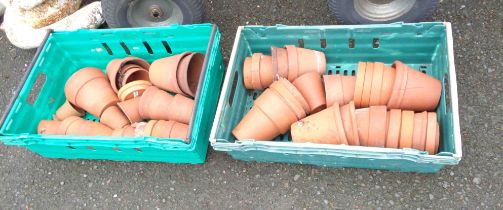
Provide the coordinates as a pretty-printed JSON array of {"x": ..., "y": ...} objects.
[
  {"x": 180, "y": 109},
  {"x": 90, "y": 90},
  {"x": 163, "y": 72},
  {"x": 279, "y": 62},
  {"x": 311, "y": 61},
  {"x": 116, "y": 69},
  {"x": 48, "y": 127},
  {"x": 422, "y": 92},
  {"x": 367, "y": 84},
  {"x": 63, "y": 127},
  {"x": 398, "y": 88},
  {"x": 170, "y": 129},
  {"x": 135, "y": 74},
  {"x": 293, "y": 65},
  {"x": 431, "y": 144},
  {"x": 149, "y": 127},
  {"x": 188, "y": 73},
  {"x": 266, "y": 71},
  {"x": 349, "y": 121},
  {"x": 133, "y": 89},
  {"x": 360, "y": 79},
  {"x": 437, "y": 140},
  {"x": 83, "y": 127},
  {"x": 324, "y": 127},
  {"x": 258, "y": 71},
  {"x": 419, "y": 133},
  {"x": 377, "y": 126},
  {"x": 114, "y": 118},
  {"x": 127, "y": 130},
  {"x": 393, "y": 128},
  {"x": 131, "y": 108},
  {"x": 377, "y": 78},
  {"x": 256, "y": 82},
  {"x": 363, "y": 125},
  {"x": 154, "y": 104},
  {"x": 293, "y": 97},
  {"x": 339, "y": 89},
  {"x": 67, "y": 110},
  {"x": 407, "y": 129},
  {"x": 388, "y": 78},
  {"x": 310, "y": 86}
]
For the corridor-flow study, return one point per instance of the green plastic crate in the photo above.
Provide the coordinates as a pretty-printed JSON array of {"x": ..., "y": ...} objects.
[
  {"x": 424, "y": 46},
  {"x": 65, "y": 52}
]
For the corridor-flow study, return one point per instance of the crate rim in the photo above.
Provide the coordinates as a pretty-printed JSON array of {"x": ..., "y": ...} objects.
[{"x": 457, "y": 155}]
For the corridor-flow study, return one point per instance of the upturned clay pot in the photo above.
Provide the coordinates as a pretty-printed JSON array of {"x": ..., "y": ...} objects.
[
  {"x": 388, "y": 78},
  {"x": 419, "y": 133},
  {"x": 67, "y": 110},
  {"x": 310, "y": 86},
  {"x": 339, "y": 89},
  {"x": 293, "y": 64},
  {"x": 134, "y": 75},
  {"x": 90, "y": 90},
  {"x": 258, "y": 72},
  {"x": 115, "y": 70},
  {"x": 279, "y": 62},
  {"x": 311, "y": 61},
  {"x": 83, "y": 127},
  {"x": 360, "y": 79},
  {"x": 421, "y": 93},
  {"x": 293, "y": 97},
  {"x": 180, "y": 109},
  {"x": 272, "y": 113},
  {"x": 131, "y": 108},
  {"x": 363, "y": 125},
  {"x": 377, "y": 127},
  {"x": 375, "y": 90},
  {"x": 163, "y": 72},
  {"x": 367, "y": 84},
  {"x": 49, "y": 127},
  {"x": 114, "y": 118},
  {"x": 324, "y": 127},
  {"x": 133, "y": 89},
  {"x": 393, "y": 128},
  {"x": 431, "y": 144},
  {"x": 154, "y": 104},
  {"x": 349, "y": 121},
  {"x": 407, "y": 129},
  {"x": 170, "y": 129},
  {"x": 188, "y": 73}
]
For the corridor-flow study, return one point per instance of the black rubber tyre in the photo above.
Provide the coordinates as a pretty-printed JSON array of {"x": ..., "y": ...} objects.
[
  {"x": 116, "y": 13},
  {"x": 348, "y": 12}
]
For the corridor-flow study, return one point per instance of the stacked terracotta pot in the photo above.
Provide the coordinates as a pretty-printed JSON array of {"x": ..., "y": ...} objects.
[
  {"x": 131, "y": 92},
  {"x": 388, "y": 97}
]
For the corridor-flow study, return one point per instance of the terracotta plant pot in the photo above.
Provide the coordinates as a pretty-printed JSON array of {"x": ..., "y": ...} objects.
[
  {"x": 118, "y": 67},
  {"x": 67, "y": 110},
  {"x": 83, "y": 127},
  {"x": 149, "y": 127},
  {"x": 90, "y": 90},
  {"x": 339, "y": 89},
  {"x": 258, "y": 71},
  {"x": 170, "y": 129},
  {"x": 272, "y": 113},
  {"x": 180, "y": 109},
  {"x": 293, "y": 62},
  {"x": 394, "y": 119},
  {"x": 279, "y": 62},
  {"x": 49, "y": 127},
  {"x": 188, "y": 73},
  {"x": 63, "y": 127},
  {"x": 154, "y": 104},
  {"x": 324, "y": 127},
  {"x": 310, "y": 86},
  {"x": 419, "y": 133},
  {"x": 377, "y": 127},
  {"x": 421, "y": 93},
  {"x": 432, "y": 134},
  {"x": 163, "y": 72},
  {"x": 367, "y": 86},
  {"x": 407, "y": 129},
  {"x": 131, "y": 108},
  {"x": 134, "y": 75},
  {"x": 133, "y": 89},
  {"x": 311, "y": 61},
  {"x": 363, "y": 125},
  {"x": 114, "y": 118},
  {"x": 375, "y": 91},
  {"x": 349, "y": 121},
  {"x": 359, "y": 83},
  {"x": 387, "y": 85},
  {"x": 127, "y": 130}
]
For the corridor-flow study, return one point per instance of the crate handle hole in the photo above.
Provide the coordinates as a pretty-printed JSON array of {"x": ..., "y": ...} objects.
[
  {"x": 301, "y": 43},
  {"x": 233, "y": 87},
  {"x": 330, "y": 72},
  {"x": 126, "y": 49},
  {"x": 138, "y": 149},
  {"x": 375, "y": 43},
  {"x": 167, "y": 47},
  {"x": 70, "y": 147},
  {"x": 351, "y": 43},
  {"x": 323, "y": 43},
  {"x": 35, "y": 89},
  {"x": 109, "y": 51},
  {"x": 147, "y": 46},
  {"x": 353, "y": 72},
  {"x": 337, "y": 72},
  {"x": 345, "y": 72}
]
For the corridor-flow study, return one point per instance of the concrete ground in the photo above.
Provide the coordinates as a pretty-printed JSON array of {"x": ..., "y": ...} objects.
[{"x": 28, "y": 181}]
